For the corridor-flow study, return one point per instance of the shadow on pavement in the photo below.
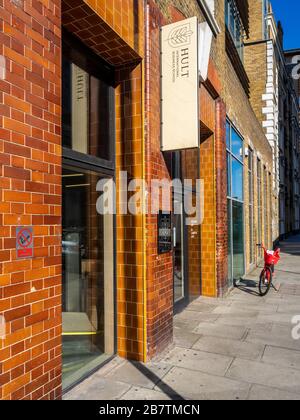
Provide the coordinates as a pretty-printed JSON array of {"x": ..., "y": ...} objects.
[
  {"x": 246, "y": 285},
  {"x": 166, "y": 389}
]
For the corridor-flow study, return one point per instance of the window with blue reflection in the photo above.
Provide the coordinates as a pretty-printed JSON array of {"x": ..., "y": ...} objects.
[
  {"x": 235, "y": 167},
  {"x": 237, "y": 180},
  {"x": 237, "y": 145},
  {"x": 235, "y": 202}
]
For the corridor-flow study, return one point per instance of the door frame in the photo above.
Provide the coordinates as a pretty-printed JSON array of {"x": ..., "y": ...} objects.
[
  {"x": 101, "y": 171},
  {"x": 182, "y": 303}
]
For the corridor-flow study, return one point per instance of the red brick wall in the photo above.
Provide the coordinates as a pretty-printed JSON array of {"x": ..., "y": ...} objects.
[{"x": 30, "y": 191}]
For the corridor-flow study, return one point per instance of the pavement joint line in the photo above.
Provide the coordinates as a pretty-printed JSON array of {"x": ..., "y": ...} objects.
[
  {"x": 199, "y": 371},
  {"x": 229, "y": 367},
  {"x": 278, "y": 347},
  {"x": 264, "y": 352}
]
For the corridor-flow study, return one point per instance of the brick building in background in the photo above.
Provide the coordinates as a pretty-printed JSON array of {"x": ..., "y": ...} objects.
[
  {"x": 274, "y": 101},
  {"x": 80, "y": 100}
]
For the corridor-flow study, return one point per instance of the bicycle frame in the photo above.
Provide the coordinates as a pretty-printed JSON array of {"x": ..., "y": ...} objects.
[{"x": 271, "y": 258}]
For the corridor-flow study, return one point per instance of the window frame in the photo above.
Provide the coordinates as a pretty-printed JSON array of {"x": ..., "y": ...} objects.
[
  {"x": 232, "y": 16},
  {"x": 79, "y": 54},
  {"x": 251, "y": 204},
  {"x": 230, "y": 199}
]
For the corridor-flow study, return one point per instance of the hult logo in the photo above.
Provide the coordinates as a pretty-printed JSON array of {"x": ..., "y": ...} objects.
[{"x": 181, "y": 37}]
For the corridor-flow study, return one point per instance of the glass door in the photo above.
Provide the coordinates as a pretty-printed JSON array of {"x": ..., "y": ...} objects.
[{"x": 88, "y": 277}]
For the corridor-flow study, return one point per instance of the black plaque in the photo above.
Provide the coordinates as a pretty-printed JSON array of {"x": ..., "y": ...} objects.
[{"x": 164, "y": 233}]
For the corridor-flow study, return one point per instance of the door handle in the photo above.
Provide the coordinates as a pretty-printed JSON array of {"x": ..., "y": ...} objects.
[{"x": 174, "y": 237}]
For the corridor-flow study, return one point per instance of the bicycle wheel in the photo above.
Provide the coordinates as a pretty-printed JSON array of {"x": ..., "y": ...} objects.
[{"x": 265, "y": 281}]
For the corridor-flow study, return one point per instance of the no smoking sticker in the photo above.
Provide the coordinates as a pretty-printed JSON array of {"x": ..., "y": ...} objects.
[{"x": 24, "y": 242}]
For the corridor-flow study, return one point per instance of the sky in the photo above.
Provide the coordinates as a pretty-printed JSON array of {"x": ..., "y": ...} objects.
[{"x": 288, "y": 12}]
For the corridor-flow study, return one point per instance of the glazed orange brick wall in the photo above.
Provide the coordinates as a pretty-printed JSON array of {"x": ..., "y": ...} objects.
[
  {"x": 207, "y": 174},
  {"x": 159, "y": 267},
  {"x": 109, "y": 28},
  {"x": 221, "y": 198},
  {"x": 125, "y": 17},
  {"x": 30, "y": 191},
  {"x": 114, "y": 30},
  {"x": 130, "y": 228}
]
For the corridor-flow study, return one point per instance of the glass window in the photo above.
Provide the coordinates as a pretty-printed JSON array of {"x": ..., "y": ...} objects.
[
  {"x": 87, "y": 106},
  {"x": 235, "y": 186},
  {"x": 234, "y": 24},
  {"x": 237, "y": 180},
  {"x": 88, "y": 277},
  {"x": 237, "y": 145},
  {"x": 238, "y": 240}
]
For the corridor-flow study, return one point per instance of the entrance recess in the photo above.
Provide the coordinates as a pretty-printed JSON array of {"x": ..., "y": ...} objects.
[{"x": 89, "y": 328}]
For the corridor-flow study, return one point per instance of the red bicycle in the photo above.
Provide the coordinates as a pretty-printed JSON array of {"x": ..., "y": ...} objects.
[{"x": 266, "y": 277}]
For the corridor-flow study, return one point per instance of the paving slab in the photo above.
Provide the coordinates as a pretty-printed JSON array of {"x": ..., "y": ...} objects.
[
  {"x": 262, "y": 393},
  {"x": 144, "y": 394},
  {"x": 231, "y": 348},
  {"x": 279, "y": 336},
  {"x": 185, "y": 338},
  {"x": 238, "y": 347},
  {"x": 139, "y": 374},
  {"x": 196, "y": 316},
  {"x": 201, "y": 307},
  {"x": 224, "y": 331},
  {"x": 282, "y": 357},
  {"x": 288, "y": 308},
  {"x": 255, "y": 306},
  {"x": 98, "y": 389},
  {"x": 276, "y": 318},
  {"x": 267, "y": 375},
  {"x": 201, "y": 386},
  {"x": 238, "y": 312},
  {"x": 235, "y": 320},
  {"x": 198, "y": 360}
]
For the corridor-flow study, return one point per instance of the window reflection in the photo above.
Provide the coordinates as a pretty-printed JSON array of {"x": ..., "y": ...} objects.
[
  {"x": 88, "y": 277},
  {"x": 235, "y": 186},
  {"x": 237, "y": 180},
  {"x": 87, "y": 111},
  {"x": 236, "y": 145}
]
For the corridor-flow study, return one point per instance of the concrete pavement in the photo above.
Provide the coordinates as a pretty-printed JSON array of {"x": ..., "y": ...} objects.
[{"x": 238, "y": 348}]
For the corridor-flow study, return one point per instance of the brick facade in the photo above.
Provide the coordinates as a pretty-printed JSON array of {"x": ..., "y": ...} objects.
[
  {"x": 30, "y": 188},
  {"x": 126, "y": 36}
]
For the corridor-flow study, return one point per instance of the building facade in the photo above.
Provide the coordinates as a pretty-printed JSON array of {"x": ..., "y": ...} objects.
[
  {"x": 80, "y": 107},
  {"x": 290, "y": 158},
  {"x": 273, "y": 98}
]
